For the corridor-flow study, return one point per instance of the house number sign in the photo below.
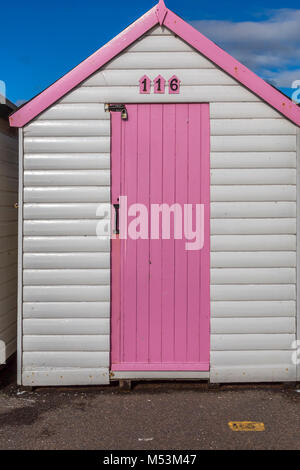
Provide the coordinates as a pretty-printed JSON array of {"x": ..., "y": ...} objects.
[{"x": 160, "y": 85}]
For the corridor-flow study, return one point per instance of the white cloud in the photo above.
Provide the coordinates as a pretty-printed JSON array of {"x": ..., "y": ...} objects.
[{"x": 270, "y": 47}]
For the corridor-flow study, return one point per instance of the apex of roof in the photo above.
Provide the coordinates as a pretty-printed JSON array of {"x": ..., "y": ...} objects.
[{"x": 160, "y": 14}]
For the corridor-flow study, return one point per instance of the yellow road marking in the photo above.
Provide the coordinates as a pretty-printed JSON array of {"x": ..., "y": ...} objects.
[{"x": 246, "y": 426}]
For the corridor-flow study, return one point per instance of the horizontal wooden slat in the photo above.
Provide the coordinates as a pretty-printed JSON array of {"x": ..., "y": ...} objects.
[
  {"x": 66, "y": 260},
  {"x": 164, "y": 60},
  {"x": 131, "y": 77},
  {"x": 9, "y": 334},
  {"x": 66, "y": 310},
  {"x": 72, "y": 161},
  {"x": 253, "y": 276},
  {"x": 62, "y": 227},
  {"x": 242, "y": 111},
  {"x": 75, "y": 111},
  {"x": 251, "y": 342},
  {"x": 252, "y": 193},
  {"x": 53, "y": 277},
  {"x": 256, "y": 373},
  {"x": 242, "y": 127},
  {"x": 67, "y": 128},
  {"x": 254, "y": 308},
  {"x": 254, "y": 243},
  {"x": 253, "y": 292},
  {"x": 66, "y": 294},
  {"x": 250, "y": 358},
  {"x": 253, "y": 226},
  {"x": 66, "y": 144},
  {"x": 222, "y": 210},
  {"x": 254, "y": 143},
  {"x": 68, "y": 194},
  {"x": 67, "y": 178},
  {"x": 82, "y": 359},
  {"x": 159, "y": 44},
  {"x": 250, "y": 259},
  {"x": 188, "y": 94},
  {"x": 236, "y": 160},
  {"x": 66, "y": 343},
  {"x": 66, "y": 326},
  {"x": 65, "y": 377},
  {"x": 65, "y": 244},
  {"x": 7, "y": 318},
  {"x": 253, "y": 176},
  {"x": 99, "y": 210},
  {"x": 278, "y": 325}
]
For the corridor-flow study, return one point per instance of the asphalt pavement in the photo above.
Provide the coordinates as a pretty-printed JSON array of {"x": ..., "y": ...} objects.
[{"x": 152, "y": 416}]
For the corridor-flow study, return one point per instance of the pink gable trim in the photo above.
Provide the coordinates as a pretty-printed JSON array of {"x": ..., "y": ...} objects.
[{"x": 157, "y": 15}]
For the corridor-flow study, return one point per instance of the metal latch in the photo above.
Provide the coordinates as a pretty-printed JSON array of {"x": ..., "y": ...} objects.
[{"x": 117, "y": 108}]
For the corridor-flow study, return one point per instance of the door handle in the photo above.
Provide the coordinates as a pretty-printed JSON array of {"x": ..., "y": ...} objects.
[{"x": 117, "y": 228}]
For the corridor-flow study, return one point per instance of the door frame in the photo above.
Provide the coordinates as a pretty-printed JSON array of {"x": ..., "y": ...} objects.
[{"x": 115, "y": 300}]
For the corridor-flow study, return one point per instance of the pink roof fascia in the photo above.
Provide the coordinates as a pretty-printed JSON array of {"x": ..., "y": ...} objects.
[{"x": 157, "y": 15}]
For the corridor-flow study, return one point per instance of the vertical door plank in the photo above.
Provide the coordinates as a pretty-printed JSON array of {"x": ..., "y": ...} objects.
[
  {"x": 156, "y": 182},
  {"x": 181, "y": 194},
  {"x": 143, "y": 189}
]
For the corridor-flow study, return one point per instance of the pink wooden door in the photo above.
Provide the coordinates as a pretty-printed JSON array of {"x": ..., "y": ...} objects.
[{"x": 160, "y": 291}]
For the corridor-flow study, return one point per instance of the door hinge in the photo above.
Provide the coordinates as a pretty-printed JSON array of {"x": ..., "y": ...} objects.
[{"x": 117, "y": 108}]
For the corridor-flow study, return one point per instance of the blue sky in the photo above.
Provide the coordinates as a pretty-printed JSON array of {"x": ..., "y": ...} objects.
[{"x": 41, "y": 41}]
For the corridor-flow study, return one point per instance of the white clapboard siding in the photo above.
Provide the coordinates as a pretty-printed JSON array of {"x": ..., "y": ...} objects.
[
  {"x": 243, "y": 176},
  {"x": 68, "y": 128},
  {"x": 222, "y": 210},
  {"x": 253, "y": 225},
  {"x": 251, "y": 259},
  {"x": 72, "y": 161},
  {"x": 66, "y": 260},
  {"x": 188, "y": 94},
  {"x": 255, "y": 243},
  {"x": 237, "y": 127},
  {"x": 61, "y": 227},
  {"x": 8, "y": 239},
  {"x": 236, "y": 160},
  {"x": 65, "y": 244},
  {"x": 77, "y": 111},
  {"x": 64, "y": 376},
  {"x": 66, "y": 326},
  {"x": 66, "y": 293},
  {"x": 254, "y": 308},
  {"x": 40, "y": 277},
  {"x": 63, "y": 310},
  {"x": 278, "y": 325},
  {"x": 242, "y": 110},
  {"x": 73, "y": 194},
  {"x": 253, "y": 143},
  {"x": 189, "y": 77},
  {"x": 252, "y": 193},
  {"x": 69, "y": 211},
  {"x": 65, "y": 359},
  {"x": 67, "y": 178},
  {"x": 267, "y": 226},
  {"x": 163, "y": 60},
  {"x": 221, "y": 276},
  {"x": 250, "y": 341},
  {"x": 253, "y": 292},
  {"x": 67, "y": 144},
  {"x": 66, "y": 343}
]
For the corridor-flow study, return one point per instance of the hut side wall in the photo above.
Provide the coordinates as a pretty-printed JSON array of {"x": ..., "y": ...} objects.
[
  {"x": 66, "y": 275},
  {"x": 8, "y": 238}
]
